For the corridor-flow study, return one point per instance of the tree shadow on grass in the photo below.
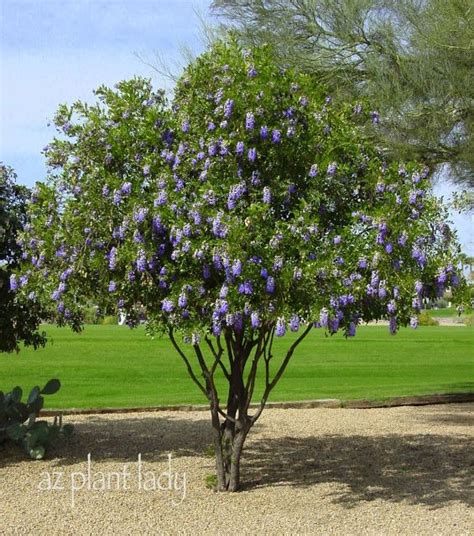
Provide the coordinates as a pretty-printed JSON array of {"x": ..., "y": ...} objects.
[{"x": 432, "y": 470}]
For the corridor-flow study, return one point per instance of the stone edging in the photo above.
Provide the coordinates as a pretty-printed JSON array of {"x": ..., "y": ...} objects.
[{"x": 422, "y": 400}]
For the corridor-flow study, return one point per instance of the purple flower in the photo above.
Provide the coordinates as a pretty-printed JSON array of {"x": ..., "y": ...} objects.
[
  {"x": 264, "y": 132},
  {"x": 337, "y": 240},
  {"x": 211, "y": 126},
  {"x": 246, "y": 288},
  {"x": 324, "y": 317},
  {"x": 313, "y": 171},
  {"x": 351, "y": 330},
  {"x": 117, "y": 199},
  {"x": 185, "y": 126},
  {"x": 162, "y": 199},
  {"x": 112, "y": 286},
  {"x": 374, "y": 278},
  {"x": 146, "y": 170},
  {"x": 105, "y": 190},
  {"x": 228, "y": 107},
  {"x": 206, "y": 271},
  {"x": 419, "y": 257},
  {"x": 295, "y": 323},
  {"x": 380, "y": 188},
  {"x": 382, "y": 292},
  {"x": 270, "y": 285},
  {"x": 391, "y": 307},
  {"x": 362, "y": 264},
  {"x": 113, "y": 258},
  {"x": 267, "y": 195},
  {"x": 167, "y": 305},
  {"x": 235, "y": 193},
  {"x": 276, "y": 136},
  {"x": 219, "y": 229},
  {"x": 13, "y": 282},
  {"x": 416, "y": 303},
  {"x": 137, "y": 237},
  {"x": 334, "y": 325},
  {"x": 255, "y": 320},
  {"x": 331, "y": 171},
  {"x": 249, "y": 121},
  {"x": 55, "y": 295},
  {"x": 252, "y": 72},
  {"x": 375, "y": 116},
  {"x": 182, "y": 300},
  {"x": 280, "y": 327},
  {"x": 141, "y": 261},
  {"x": 237, "y": 268},
  {"x": 389, "y": 248},
  {"x": 252, "y": 154},
  {"x": 140, "y": 215},
  {"x": 239, "y": 148},
  {"x": 277, "y": 264},
  {"x": 396, "y": 293},
  {"x": 414, "y": 322},
  {"x": 418, "y": 287},
  {"x": 216, "y": 328},
  {"x": 442, "y": 277},
  {"x": 402, "y": 239},
  {"x": 126, "y": 188},
  {"x": 297, "y": 274},
  {"x": 393, "y": 325}
]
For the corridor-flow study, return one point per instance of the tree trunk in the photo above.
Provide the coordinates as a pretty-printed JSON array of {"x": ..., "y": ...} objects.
[{"x": 229, "y": 442}]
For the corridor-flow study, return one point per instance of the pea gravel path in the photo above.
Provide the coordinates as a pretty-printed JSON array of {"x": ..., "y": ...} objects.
[{"x": 390, "y": 471}]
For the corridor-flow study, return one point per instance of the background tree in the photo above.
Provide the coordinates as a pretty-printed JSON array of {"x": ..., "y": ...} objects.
[
  {"x": 249, "y": 208},
  {"x": 413, "y": 59},
  {"x": 18, "y": 322}
]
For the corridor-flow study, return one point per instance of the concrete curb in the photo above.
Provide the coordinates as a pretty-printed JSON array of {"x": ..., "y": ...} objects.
[{"x": 422, "y": 400}]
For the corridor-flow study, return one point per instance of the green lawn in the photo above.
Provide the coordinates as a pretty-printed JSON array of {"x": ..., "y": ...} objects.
[
  {"x": 112, "y": 366},
  {"x": 447, "y": 312}
]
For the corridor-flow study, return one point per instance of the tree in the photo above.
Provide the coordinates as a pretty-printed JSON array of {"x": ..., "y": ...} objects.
[
  {"x": 17, "y": 322},
  {"x": 413, "y": 59},
  {"x": 248, "y": 208}
]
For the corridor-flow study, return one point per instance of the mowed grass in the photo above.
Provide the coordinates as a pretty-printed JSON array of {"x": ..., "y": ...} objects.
[{"x": 113, "y": 366}]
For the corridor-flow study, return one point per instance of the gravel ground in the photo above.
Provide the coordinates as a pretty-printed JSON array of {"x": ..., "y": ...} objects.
[{"x": 390, "y": 471}]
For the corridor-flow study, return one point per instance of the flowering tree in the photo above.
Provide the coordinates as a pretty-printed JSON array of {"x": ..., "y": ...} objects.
[
  {"x": 248, "y": 208},
  {"x": 18, "y": 323}
]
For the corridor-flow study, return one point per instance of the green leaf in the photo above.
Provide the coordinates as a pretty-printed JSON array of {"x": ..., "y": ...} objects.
[
  {"x": 16, "y": 431},
  {"x": 16, "y": 394},
  {"x": 51, "y": 387},
  {"x": 33, "y": 395},
  {"x": 37, "y": 453}
]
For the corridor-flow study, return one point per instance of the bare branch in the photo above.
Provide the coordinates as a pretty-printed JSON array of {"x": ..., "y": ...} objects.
[{"x": 188, "y": 365}]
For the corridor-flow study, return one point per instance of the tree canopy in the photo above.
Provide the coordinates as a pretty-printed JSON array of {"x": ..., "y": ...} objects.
[
  {"x": 413, "y": 59},
  {"x": 18, "y": 322},
  {"x": 250, "y": 206}
]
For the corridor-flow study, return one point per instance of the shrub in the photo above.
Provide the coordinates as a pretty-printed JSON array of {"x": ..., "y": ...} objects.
[
  {"x": 18, "y": 420},
  {"x": 469, "y": 320},
  {"x": 91, "y": 316},
  {"x": 425, "y": 319},
  {"x": 109, "y": 320}
]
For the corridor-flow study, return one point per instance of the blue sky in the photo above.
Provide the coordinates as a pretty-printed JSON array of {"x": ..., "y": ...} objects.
[{"x": 55, "y": 51}]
